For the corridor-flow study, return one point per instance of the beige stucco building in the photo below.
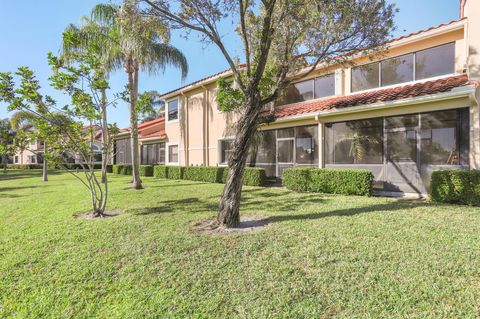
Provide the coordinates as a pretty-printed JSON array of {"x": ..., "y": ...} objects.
[{"x": 401, "y": 115}]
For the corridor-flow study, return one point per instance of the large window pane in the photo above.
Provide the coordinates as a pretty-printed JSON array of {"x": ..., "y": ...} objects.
[
  {"x": 173, "y": 110},
  {"x": 297, "y": 92},
  {"x": 263, "y": 149},
  {"x": 354, "y": 142},
  {"x": 285, "y": 151},
  {"x": 435, "y": 61},
  {"x": 397, "y": 70},
  {"x": 286, "y": 133},
  {"x": 226, "y": 148},
  {"x": 402, "y": 146},
  {"x": 403, "y": 121},
  {"x": 365, "y": 77},
  {"x": 444, "y": 138},
  {"x": 325, "y": 86},
  {"x": 306, "y": 150}
]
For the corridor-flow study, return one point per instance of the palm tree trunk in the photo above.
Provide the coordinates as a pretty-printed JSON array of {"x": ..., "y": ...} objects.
[
  {"x": 132, "y": 70},
  {"x": 105, "y": 136},
  {"x": 229, "y": 207},
  {"x": 45, "y": 164}
]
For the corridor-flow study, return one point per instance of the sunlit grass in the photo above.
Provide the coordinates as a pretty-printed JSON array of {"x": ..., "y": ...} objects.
[{"x": 321, "y": 256}]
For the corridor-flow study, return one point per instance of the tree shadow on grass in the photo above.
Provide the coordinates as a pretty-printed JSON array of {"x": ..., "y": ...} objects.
[
  {"x": 6, "y": 189},
  {"x": 388, "y": 207},
  {"x": 192, "y": 205}
]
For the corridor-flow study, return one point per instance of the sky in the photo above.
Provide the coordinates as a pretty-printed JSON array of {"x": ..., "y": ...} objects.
[{"x": 29, "y": 29}]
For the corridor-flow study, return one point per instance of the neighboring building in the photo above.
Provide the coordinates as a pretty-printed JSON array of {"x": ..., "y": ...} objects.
[
  {"x": 414, "y": 110},
  {"x": 33, "y": 152},
  {"x": 151, "y": 137}
]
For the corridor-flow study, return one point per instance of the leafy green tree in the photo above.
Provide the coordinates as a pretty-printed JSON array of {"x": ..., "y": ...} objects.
[
  {"x": 282, "y": 41},
  {"x": 126, "y": 39},
  {"x": 64, "y": 129},
  {"x": 7, "y": 140}
]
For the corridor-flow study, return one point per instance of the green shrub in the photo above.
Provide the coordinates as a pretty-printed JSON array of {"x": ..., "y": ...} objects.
[
  {"x": 25, "y": 166},
  {"x": 330, "y": 181},
  {"x": 109, "y": 168},
  {"x": 122, "y": 169},
  {"x": 455, "y": 187},
  {"x": 160, "y": 171},
  {"x": 146, "y": 170},
  {"x": 208, "y": 174},
  {"x": 253, "y": 176},
  {"x": 175, "y": 172}
]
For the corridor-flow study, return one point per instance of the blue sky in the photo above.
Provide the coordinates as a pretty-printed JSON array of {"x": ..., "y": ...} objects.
[{"x": 31, "y": 28}]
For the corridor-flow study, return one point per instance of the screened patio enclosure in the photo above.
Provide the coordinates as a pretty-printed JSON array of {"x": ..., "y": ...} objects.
[{"x": 401, "y": 151}]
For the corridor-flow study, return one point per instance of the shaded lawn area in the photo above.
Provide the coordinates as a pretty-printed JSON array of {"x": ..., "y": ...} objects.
[{"x": 321, "y": 256}]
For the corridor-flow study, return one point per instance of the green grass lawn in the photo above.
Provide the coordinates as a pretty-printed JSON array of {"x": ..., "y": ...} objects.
[{"x": 322, "y": 256}]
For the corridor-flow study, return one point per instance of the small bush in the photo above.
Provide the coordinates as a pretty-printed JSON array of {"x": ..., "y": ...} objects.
[
  {"x": 122, "y": 169},
  {"x": 175, "y": 172},
  {"x": 208, "y": 174},
  {"x": 253, "y": 176},
  {"x": 455, "y": 187},
  {"x": 146, "y": 170},
  {"x": 160, "y": 171},
  {"x": 330, "y": 181}
]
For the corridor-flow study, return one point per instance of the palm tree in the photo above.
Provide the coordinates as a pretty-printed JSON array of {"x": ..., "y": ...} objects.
[
  {"x": 126, "y": 39},
  {"x": 25, "y": 121}
]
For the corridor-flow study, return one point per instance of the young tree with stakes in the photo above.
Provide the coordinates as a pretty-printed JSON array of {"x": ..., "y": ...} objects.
[{"x": 283, "y": 41}]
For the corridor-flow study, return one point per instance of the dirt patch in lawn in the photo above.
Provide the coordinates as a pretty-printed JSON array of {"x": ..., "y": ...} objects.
[
  {"x": 106, "y": 214},
  {"x": 247, "y": 224}
]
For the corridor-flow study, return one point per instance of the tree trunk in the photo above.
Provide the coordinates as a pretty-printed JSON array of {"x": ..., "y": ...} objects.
[
  {"x": 132, "y": 70},
  {"x": 229, "y": 207},
  {"x": 45, "y": 164},
  {"x": 105, "y": 137},
  {"x": 4, "y": 161}
]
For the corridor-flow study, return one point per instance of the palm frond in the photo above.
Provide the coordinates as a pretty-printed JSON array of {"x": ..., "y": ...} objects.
[
  {"x": 157, "y": 56},
  {"x": 105, "y": 14},
  {"x": 22, "y": 120}
]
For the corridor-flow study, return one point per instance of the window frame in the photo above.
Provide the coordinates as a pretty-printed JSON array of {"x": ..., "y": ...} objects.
[
  {"x": 167, "y": 109},
  {"x": 167, "y": 154},
  {"x": 220, "y": 150},
  {"x": 312, "y": 80},
  {"x": 414, "y": 53}
]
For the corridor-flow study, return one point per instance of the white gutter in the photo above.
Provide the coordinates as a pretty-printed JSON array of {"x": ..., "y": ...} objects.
[
  {"x": 465, "y": 91},
  {"x": 152, "y": 139}
]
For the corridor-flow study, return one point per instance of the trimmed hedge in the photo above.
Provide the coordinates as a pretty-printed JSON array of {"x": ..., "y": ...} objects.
[
  {"x": 206, "y": 174},
  {"x": 25, "y": 166},
  {"x": 455, "y": 187},
  {"x": 253, "y": 176},
  {"x": 160, "y": 171},
  {"x": 330, "y": 181},
  {"x": 122, "y": 169},
  {"x": 146, "y": 170},
  {"x": 176, "y": 172}
]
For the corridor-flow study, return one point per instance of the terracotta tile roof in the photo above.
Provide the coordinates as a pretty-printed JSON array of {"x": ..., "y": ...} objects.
[
  {"x": 376, "y": 96},
  {"x": 158, "y": 134},
  {"x": 149, "y": 123}
]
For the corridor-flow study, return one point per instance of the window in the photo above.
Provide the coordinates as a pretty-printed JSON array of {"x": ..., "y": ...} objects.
[
  {"x": 354, "y": 142},
  {"x": 365, "y": 77},
  {"x": 226, "y": 147},
  {"x": 173, "y": 154},
  {"x": 397, "y": 70},
  {"x": 161, "y": 153},
  {"x": 435, "y": 61},
  {"x": 445, "y": 138},
  {"x": 153, "y": 154},
  {"x": 97, "y": 153},
  {"x": 415, "y": 66},
  {"x": 123, "y": 151},
  {"x": 306, "y": 145},
  {"x": 32, "y": 159},
  {"x": 16, "y": 159},
  {"x": 309, "y": 89},
  {"x": 173, "y": 110}
]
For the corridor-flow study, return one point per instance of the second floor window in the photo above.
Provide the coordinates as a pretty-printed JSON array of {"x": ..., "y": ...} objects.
[
  {"x": 420, "y": 65},
  {"x": 310, "y": 89},
  {"x": 172, "y": 109}
]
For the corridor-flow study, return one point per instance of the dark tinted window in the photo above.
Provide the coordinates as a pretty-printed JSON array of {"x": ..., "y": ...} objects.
[
  {"x": 365, "y": 77},
  {"x": 435, "y": 61},
  {"x": 397, "y": 70},
  {"x": 226, "y": 147},
  {"x": 173, "y": 110},
  {"x": 306, "y": 149}
]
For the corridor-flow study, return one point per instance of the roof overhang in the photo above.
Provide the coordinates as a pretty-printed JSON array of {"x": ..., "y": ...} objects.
[{"x": 464, "y": 91}]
